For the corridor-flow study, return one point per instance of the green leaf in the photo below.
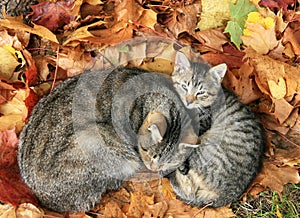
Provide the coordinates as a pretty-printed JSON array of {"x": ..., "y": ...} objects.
[{"x": 238, "y": 14}]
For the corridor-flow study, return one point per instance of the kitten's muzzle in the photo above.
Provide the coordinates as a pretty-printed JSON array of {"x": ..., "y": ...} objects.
[{"x": 190, "y": 99}]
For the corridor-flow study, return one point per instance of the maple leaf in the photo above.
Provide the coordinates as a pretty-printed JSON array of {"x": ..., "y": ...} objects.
[
  {"x": 12, "y": 188},
  {"x": 51, "y": 15},
  {"x": 259, "y": 33},
  {"x": 238, "y": 13}
]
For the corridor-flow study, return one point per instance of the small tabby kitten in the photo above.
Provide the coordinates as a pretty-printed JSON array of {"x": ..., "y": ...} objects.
[{"x": 230, "y": 151}]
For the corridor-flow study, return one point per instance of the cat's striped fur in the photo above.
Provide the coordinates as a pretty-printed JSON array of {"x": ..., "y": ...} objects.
[{"x": 230, "y": 152}]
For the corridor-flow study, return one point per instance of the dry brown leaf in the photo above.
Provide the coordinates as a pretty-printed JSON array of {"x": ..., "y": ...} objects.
[
  {"x": 7, "y": 211},
  {"x": 242, "y": 83},
  {"x": 167, "y": 190},
  {"x": 27, "y": 210},
  {"x": 139, "y": 204},
  {"x": 8, "y": 64},
  {"x": 41, "y": 31},
  {"x": 112, "y": 210},
  {"x": 6, "y": 92},
  {"x": 292, "y": 36},
  {"x": 147, "y": 18},
  {"x": 212, "y": 38},
  {"x": 261, "y": 40},
  {"x": 13, "y": 112},
  {"x": 157, "y": 210},
  {"x": 222, "y": 212},
  {"x": 274, "y": 177},
  {"x": 184, "y": 19}
]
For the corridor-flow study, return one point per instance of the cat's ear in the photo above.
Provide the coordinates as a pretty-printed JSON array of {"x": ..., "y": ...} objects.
[
  {"x": 218, "y": 72},
  {"x": 182, "y": 61},
  {"x": 155, "y": 134},
  {"x": 184, "y": 146}
]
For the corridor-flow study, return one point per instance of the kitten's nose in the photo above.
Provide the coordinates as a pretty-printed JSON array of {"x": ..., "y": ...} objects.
[{"x": 189, "y": 99}]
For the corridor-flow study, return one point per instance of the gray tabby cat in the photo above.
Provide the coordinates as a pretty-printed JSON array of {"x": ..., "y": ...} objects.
[
  {"x": 230, "y": 151},
  {"x": 81, "y": 140}
]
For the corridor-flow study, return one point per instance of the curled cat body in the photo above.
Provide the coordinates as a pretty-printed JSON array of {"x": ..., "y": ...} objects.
[
  {"x": 230, "y": 149},
  {"x": 81, "y": 139}
]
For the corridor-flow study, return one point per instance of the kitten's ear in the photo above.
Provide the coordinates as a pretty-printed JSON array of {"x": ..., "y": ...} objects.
[
  {"x": 155, "y": 134},
  {"x": 218, "y": 72},
  {"x": 181, "y": 60}
]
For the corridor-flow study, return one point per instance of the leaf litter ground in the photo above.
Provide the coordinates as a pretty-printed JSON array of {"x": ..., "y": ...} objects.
[{"x": 263, "y": 73}]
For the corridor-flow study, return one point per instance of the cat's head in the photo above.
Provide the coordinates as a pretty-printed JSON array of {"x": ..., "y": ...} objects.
[
  {"x": 157, "y": 150},
  {"x": 196, "y": 83}
]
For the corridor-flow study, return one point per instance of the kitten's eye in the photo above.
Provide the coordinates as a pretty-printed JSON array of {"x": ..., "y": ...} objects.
[
  {"x": 143, "y": 149},
  {"x": 201, "y": 92},
  {"x": 155, "y": 156}
]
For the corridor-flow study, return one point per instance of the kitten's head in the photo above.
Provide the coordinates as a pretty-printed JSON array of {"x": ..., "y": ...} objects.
[{"x": 197, "y": 84}]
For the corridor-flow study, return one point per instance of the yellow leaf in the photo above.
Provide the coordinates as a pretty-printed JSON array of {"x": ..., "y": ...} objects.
[
  {"x": 8, "y": 63},
  {"x": 148, "y": 18},
  {"x": 13, "y": 112},
  {"x": 41, "y": 31},
  {"x": 278, "y": 90},
  {"x": 82, "y": 32},
  {"x": 214, "y": 14}
]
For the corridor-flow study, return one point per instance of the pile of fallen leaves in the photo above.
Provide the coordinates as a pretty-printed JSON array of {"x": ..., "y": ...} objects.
[{"x": 258, "y": 40}]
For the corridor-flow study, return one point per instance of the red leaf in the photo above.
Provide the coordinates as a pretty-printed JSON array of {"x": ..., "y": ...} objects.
[
  {"x": 276, "y": 4},
  {"x": 31, "y": 101},
  {"x": 12, "y": 188},
  {"x": 31, "y": 72},
  {"x": 52, "y": 15}
]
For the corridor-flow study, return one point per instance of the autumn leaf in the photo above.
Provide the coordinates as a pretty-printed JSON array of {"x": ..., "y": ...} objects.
[
  {"x": 238, "y": 14},
  {"x": 13, "y": 112},
  {"x": 259, "y": 33},
  {"x": 6, "y": 92},
  {"x": 274, "y": 177},
  {"x": 278, "y": 90},
  {"x": 52, "y": 15},
  {"x": 12, "y": 188},
  {"x": 278, "y": 4},
  {"x": 12, "y": 23},
  {"x": 8, "y": 64},
  {"x": 214, "y": 14}
]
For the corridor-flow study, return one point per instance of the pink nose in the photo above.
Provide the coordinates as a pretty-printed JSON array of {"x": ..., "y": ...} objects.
[
  {"x": 189, "y": 99},
  {"x": 154, "y": 167}
]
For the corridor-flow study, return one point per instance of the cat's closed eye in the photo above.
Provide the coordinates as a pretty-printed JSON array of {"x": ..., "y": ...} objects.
[
  {"x": 183, "y": 169},
  {"x": 184, "y": 87},
  {"x": 201, "y": 92}
]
